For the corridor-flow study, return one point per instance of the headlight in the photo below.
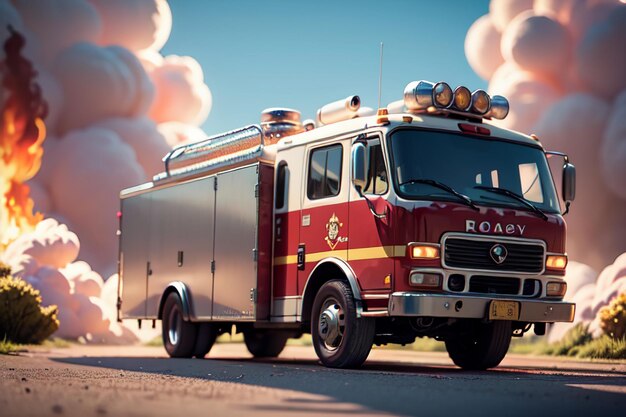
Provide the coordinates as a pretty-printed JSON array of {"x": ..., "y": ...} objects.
[
  {"x": 556, "y": 261},
  {"x": 556, "y": 289},
  {"x": 419, "y": 251},
  {"x": 420, "y": 279}
]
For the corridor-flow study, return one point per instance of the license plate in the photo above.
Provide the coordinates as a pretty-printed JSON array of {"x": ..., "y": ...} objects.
[{"x": 503, "y": 310}]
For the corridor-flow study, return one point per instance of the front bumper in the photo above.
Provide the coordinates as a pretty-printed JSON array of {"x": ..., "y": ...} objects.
[{"x": 446, "y": 305}]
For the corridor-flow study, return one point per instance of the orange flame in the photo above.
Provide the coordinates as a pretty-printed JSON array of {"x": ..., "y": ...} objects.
[{"x": 22, "y": 132}]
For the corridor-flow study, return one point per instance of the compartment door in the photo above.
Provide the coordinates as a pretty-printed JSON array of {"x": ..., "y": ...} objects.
[
  {"x": 236, "y": 222},
  {"x": 134, "y": 253}
]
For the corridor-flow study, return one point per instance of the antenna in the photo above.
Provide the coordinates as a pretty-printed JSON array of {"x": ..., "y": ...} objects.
[{"x": 380, "y": 74}]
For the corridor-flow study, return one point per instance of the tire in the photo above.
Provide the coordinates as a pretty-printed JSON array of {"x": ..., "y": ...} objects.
[
  {"x": 483, "y": 347},
  {"x": 179, "y": 336},
  {"x": 264, "y": 344},
  {"x": 207, "y": 333},
  {"x": 339, "y": 338}
]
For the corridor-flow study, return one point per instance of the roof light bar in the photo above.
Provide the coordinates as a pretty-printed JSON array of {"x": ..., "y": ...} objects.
[{"x": 424, "y": 96}]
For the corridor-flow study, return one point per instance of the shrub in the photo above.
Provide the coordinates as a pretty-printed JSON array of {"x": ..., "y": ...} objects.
[
  {"x": 613, "y": 317},
  {"x": 22, "y": 319}
]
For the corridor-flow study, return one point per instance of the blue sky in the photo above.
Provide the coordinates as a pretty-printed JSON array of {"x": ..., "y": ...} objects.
[{"x": 302, "y": 55}]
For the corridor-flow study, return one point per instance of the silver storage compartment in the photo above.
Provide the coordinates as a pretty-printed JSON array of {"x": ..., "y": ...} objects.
[{"x": 202, "y": 233}]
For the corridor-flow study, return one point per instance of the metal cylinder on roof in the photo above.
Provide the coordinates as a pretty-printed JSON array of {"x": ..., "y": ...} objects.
[
  {"x": 278, "y": 123},
  {"x": 339, "y": 110}
]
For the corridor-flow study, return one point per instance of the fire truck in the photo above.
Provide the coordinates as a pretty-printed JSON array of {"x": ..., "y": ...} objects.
[{"x": 361, "y": 228}]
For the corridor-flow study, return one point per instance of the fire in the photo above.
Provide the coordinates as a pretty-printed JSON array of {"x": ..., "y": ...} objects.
[{"x": 22, "y": 132}]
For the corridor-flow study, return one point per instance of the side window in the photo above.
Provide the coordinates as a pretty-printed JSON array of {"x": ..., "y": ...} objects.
[
  {"x": 324, "y": 178},
  {"x": 377, "y": 175},
  {"x": 281, "y": 182},
  {"x": 529, "y": 181}
]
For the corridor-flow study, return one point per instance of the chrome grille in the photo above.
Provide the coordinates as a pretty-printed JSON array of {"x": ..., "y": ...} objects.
[{"x": 474, "y": 254}]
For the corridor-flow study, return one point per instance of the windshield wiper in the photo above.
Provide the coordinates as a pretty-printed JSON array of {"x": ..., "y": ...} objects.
[
  {"x": 468, "y": 201},
  {"x": 509, "y": 193}
]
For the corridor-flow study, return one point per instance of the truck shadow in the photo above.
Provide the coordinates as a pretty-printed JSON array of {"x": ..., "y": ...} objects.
[{"x": 408, "y": 389}]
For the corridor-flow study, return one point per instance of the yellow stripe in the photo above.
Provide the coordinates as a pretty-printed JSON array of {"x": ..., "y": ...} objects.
[
  {"x": 286, "y": 260},
  {"x": 360, "y": 254}
]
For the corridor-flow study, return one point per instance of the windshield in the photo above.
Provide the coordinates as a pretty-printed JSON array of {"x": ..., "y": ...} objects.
[{"x": 470, "y": 165}]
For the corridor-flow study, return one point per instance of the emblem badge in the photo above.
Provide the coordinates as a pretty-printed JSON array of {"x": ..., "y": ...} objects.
[
  {"x": 332, "y": 229},
  {"x": 498, "y": 253}
]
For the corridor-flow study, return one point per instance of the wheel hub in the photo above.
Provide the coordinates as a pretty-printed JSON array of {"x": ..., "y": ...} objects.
[
  {"x": 331, "y": 325},
  {"x": 174, "y": 330}
]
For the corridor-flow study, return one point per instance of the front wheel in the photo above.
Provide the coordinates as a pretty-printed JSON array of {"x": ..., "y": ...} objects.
[
  {"x": 483, "y": 346},
  {"x": 341, "y": 340}
]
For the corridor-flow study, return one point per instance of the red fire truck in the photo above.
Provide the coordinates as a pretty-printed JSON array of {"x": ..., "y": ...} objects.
[{"x": 360, "y": 228}]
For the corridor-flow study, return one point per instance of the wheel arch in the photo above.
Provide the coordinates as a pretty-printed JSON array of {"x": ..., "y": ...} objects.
[
  {"x": 181, "y": 289},
  {"x": 328, "y": 269}
]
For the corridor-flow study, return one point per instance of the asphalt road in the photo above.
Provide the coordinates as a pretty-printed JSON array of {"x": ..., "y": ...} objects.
[{"x": 141, "y": 381}]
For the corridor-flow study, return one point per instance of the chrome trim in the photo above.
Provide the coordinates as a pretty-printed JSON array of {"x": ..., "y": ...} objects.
[
  {"x": 414, "y": 304},
  {"x": 379, "y": 313},
  {"x": 285, "y": 306},
  {"x": 375, "y": 296},
  {"x": 495, "y": 239},
  {"x": 350, "y": 276},
  {"x": 181, "y": 289}
]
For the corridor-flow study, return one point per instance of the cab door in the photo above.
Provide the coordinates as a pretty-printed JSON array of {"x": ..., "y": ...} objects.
[
  {"x": 324, "y": 214},
  {"x": 371, "y": 236}
]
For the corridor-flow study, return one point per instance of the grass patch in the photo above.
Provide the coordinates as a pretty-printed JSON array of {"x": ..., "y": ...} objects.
[
  {"x": 304, "y": 340},
  {"x": 529, "y": 345},
  {"x": 57, "y": 342},
  {"x": 156, "y": 342},
  {"x": 603, "y": 347}
]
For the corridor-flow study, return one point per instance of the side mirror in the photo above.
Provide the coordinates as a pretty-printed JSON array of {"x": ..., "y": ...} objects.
[
  {"x": 569, "y": 182},
  {"x": 359, "y": 166}
]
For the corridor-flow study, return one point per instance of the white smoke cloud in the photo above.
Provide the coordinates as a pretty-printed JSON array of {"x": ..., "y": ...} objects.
[
  {"x": 181, "y": 94},
  {"x": 108, "y": 89},
  {"x": 87, "y": 201},
  {"x": 134, "y": 24},
  {"x": 112, "y": 74},
  {"x": 57, "y": 25},
  {"x": 45, "y": 258}
]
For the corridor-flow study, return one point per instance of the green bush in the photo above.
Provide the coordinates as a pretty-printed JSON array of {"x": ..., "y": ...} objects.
[
  {"x": 22, "y": 319},
  {"x": 613, "y": 317}
]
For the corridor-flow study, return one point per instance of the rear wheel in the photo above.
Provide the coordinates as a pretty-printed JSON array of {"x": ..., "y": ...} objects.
[
  {"x": 264, "y": 344},
  {"x": 207, "y": 333},
  {"x": 341, "y": 340},
  {"x": 179, "y": 336},
  {"x": 483, "y": 347}
]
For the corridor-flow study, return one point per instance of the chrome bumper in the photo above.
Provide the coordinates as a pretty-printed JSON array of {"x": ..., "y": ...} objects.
[{"x": 446, "y": 305}]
